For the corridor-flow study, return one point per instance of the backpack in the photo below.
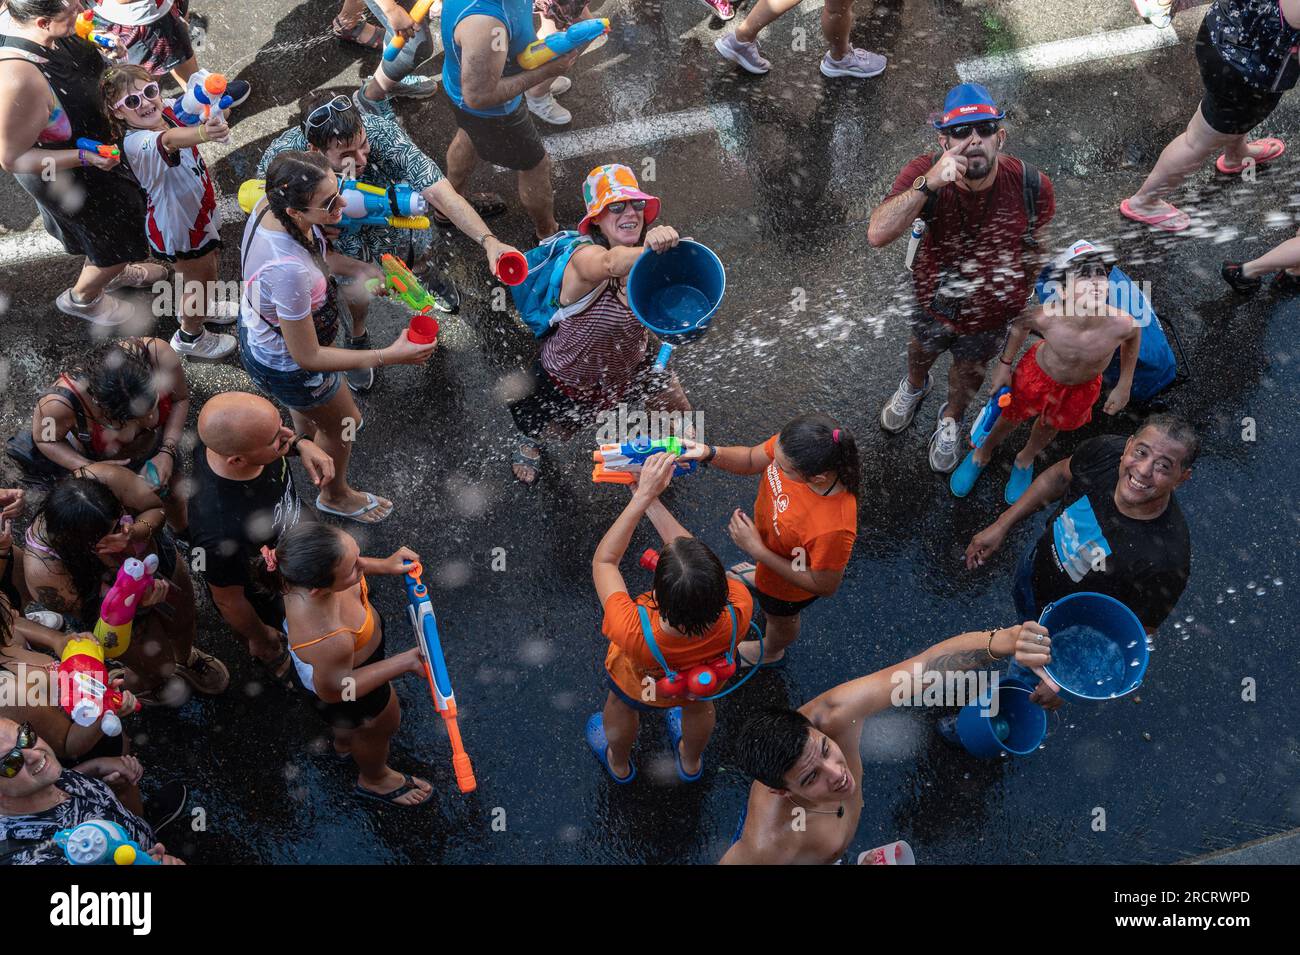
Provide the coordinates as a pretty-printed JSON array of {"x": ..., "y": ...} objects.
[
  {"x": 1031, "y": 186},
  {"x": 538, "y": 297}
]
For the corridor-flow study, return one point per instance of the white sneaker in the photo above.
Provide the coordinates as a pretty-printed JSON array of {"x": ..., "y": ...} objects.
[
  {"x": 744, "y": 55},
  {"x": 548, "y": 110},
  {"x": 860, "y": 64},
  {"x": 105, "y": 311},
  {"x": 46, "y": 618},
  {"x": 561, "y": 85},
  {"x": 223, "y": 312},
  {"x": 944, "y": 442},
  {"x": 1159, "y": 13},
  {"x": 901, "y": 407},
  {"x": 211, "y": 346},
  {"x": 137, "y": 275}
]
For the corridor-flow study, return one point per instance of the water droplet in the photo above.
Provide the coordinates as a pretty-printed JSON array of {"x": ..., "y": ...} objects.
[
  {"x": 1260, "y": 592},
  {"x": 1277, "y": 581},
  {"x": 1132, "y": 663},
  {"x": 1189, "y": 618},
  {"x": 1232, "y": 590},
  {"x": 1251, "y": 585},
  {"x": 1232, "y": 620}
]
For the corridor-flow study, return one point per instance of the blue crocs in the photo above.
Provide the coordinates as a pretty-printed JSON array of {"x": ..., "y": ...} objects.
[
  {"x": 674, "y": 720},
  {"x": 964, "y": 478},
  {"x": 1018, "y": 483},
  {"x": 600, "y": 748}
]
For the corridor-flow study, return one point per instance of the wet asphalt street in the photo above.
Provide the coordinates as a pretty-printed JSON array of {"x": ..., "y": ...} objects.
[{"x": 780, "y": 185}]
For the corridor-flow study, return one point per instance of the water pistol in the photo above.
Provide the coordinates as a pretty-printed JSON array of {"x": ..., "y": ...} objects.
[
  {"x": 107, "y": 150},
  {"x": 401, "y": 281},
  {"x": 989, "y": 415},
  {"x": 398, "y": 207},
  {"x": 621, "y": 463},
  {"x": 84, "y": 690},
  {"x": 205, "y": 93},
  {"x": 117, "y": 612},
  {"x": 419, "y": 13},
  {"x": 85, "y": 27},
  {"x": 420, "y": 611},
  {"x": 540, "y": 52},
  {"x": 100, "y": 842}
]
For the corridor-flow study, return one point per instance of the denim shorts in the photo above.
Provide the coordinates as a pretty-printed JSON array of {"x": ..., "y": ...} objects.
[{"x": 298, "y": 390}]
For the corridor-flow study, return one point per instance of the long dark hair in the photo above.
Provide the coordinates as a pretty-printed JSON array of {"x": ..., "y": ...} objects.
[
  {"x": 290, "y": 181},
  {"x": 305, "y": 556},
  {"x": 76, "y": 514},
  {"x": 816, "y": 443},
  {"x": 690, "y": 586},
  {"x": 120, "y": 378},
  {"x": 25, "y": 11}
]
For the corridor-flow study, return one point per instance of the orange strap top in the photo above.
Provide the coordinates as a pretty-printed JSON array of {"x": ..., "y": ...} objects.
[{"x": 360, "y": 635}]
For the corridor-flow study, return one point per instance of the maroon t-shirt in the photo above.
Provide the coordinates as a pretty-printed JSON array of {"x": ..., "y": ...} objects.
[{"x": 976, "y": 241}]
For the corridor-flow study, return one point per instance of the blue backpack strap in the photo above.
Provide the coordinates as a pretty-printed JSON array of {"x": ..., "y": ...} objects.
[
  {"x": 650, "y": 641},
  {"x": 730, "y": 653}
]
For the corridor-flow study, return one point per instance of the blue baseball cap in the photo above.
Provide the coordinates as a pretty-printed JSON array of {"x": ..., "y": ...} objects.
[{"x": 968, "y": 103}]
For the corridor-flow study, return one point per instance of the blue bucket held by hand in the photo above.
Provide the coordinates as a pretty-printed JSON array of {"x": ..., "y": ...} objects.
[
  {"x": 1099, "y": 647},
  {"x": 676, "y": 292},
  {"x": 1017, "y": 729}
]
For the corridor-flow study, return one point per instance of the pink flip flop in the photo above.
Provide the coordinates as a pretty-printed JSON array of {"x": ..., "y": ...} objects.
[
  {"x": 1159, "y": 221},
  {"x": 1275, "y": 149}
]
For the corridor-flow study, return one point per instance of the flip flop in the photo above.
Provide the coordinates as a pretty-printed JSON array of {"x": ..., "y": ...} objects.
[
  {"x": 372, "y": 502},
  {"x": 600, "y": 749},
  {"x": 744, "y": 662},
  {"x": 518, "y": 457},
  {"x": 408, "y": 785},
  {"x": 1275, "y": 149},
  {"x": 1158, "y": 221},
  {"x": 744, "y": 572},
  {"x": 674, "y": 720}
]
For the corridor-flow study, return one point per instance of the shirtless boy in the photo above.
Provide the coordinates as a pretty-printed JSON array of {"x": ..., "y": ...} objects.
[
  {"x": 1058, "y": 380},
  {"x": 806, "y": 798}
]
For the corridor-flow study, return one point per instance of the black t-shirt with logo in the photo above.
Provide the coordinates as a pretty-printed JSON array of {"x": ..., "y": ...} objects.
[{"x": 1089, "y": 545}]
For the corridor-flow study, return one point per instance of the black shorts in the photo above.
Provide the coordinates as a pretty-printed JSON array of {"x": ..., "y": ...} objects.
[
  {"x": 108, "y": 228},
  {"x": 773, "y": 607},
  {"x": 1230, "y": 105},
  {"x": 937, "y": 337},
  {"x": 510, "y": 141},
  {"x": 352, "y": 714}
]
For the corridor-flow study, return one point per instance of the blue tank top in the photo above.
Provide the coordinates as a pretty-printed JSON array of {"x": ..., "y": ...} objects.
[{"x": 517, "y": 15}]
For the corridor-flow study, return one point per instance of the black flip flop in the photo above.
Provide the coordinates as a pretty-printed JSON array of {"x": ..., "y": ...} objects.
[{"x": 389, "y": 799}]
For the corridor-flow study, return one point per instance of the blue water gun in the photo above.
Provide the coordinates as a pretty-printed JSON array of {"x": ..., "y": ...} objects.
[
  {"x": 399, "y": 206},
  {"x": 989, "y": 415},
  {"x": 620, "y": 463},
  {"x": 542, "y": 51},
  {"x": 100, "y": 842},
  {"x": 107, "y": 150},
  {"x": 420, "y": 611}
]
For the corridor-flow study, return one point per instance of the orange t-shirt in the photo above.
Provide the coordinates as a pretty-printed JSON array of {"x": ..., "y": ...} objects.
[
  {"x": 629, "y": 660},
  {"x": 789, "y": 515}
]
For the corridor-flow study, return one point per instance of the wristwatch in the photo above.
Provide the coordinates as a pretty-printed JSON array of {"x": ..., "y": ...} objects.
[{"x": 921, "y": 186}]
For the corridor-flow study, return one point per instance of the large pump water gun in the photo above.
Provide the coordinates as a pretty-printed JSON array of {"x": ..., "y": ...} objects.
[
  {"x": 620, "y": 463},
  {"x": 989, "y": 415},
  {"x": 100, "y": 842},
  {"x": 419, "y": 13},
  {"x": 398, "y": 207},
  {"x": 540, "y": 52},
  {"x": 84, "y": 690},
  {"x": 205, "y": 95},
  {"x": 85, "y": 27},
  {"x": 117, "y": 612},
  {"x": 425, "y": 623}
]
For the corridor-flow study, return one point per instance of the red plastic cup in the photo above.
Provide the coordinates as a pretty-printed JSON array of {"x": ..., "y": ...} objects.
[
  {"x": 650, "y": 560},
  {"x": 423, "y": 329},
  {"x": 512, "y": 268}
]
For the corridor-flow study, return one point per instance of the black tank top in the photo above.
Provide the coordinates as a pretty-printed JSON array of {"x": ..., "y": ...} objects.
[{"x": 73, "y": 68}]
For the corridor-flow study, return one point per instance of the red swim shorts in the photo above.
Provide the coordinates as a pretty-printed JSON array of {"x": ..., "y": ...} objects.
[{"x": 1034, "y": 394}]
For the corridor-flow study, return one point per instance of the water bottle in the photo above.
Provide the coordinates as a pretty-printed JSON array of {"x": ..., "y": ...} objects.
[{"x": 914, "y": 241}]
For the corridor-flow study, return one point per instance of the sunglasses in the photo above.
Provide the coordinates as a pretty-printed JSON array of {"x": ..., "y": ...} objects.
[
  {"x": 986, "y": 129},
  {"x": 12, "y": 764},
  {"x": 619, "y": 207},
  {"x": 133, "y": 100},
  {"x": 322, "y": 114},
  {"x": 333, "y": 204}
]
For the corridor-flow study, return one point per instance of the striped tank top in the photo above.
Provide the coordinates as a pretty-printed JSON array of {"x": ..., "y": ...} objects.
[{"x": 600, "y": 349}]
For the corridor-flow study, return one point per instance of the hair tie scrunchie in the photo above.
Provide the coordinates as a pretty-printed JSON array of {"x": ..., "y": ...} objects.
[
  {"x": 835, "y": 435},
  {"x": 268, "y": 555}
]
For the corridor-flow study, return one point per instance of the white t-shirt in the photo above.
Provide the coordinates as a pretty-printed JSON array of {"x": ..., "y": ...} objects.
[
  {"x": 182, "y": 214},
  {"x": 132, "y": 13},
  {"x": 282, "y": 283}
]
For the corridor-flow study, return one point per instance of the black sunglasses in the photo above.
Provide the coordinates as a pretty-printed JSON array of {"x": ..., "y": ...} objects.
[
  {"x": 986, "y": 129},
  {"x": 12, "y": 764},
  {"x": 618, "y": 207}
]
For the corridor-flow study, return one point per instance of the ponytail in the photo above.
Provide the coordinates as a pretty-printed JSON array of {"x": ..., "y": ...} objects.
[
  {"x": 816, "y": 443},
  {"x": 306, "y": 556}
]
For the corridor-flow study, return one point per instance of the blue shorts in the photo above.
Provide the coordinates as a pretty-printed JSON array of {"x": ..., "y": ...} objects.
[
  {"x": 1022, "y": 588},
  {"x": 297, "y": 390},
  {"x": 628, "y": 701}
]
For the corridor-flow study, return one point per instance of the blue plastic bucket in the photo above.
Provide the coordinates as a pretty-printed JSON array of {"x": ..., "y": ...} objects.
[
  {"x": 1107, "y": 661},
  {"x": 1025, "y": 723},
  {"x": 676, "y": 292}
]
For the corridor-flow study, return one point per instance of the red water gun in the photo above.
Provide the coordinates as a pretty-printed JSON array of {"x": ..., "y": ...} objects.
[{"x": 84, "y": 691}]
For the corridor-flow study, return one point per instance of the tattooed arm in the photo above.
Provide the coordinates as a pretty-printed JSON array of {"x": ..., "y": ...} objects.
[{"x": 837, "y": 708}]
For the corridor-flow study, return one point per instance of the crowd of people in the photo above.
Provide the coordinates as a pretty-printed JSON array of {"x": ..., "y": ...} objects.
[{"x": 103, "y": 480}]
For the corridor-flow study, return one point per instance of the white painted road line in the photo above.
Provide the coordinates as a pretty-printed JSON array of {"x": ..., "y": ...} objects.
[
  {"x": 718, "y": 118},
  {"x": 24, "y": 248},
  {"x": 1059, "y": 53}
]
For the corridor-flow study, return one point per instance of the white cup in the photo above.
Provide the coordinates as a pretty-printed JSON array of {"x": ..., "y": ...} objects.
[{"x": 895, "y": 853}]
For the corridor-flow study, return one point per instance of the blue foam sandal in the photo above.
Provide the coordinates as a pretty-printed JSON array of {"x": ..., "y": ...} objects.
[
  {"x": 674, "y": 720},
  {"x": 600, "y": 748},
  {"x": 1018, "y": 483},
  {"x": 964, "y": 478}
]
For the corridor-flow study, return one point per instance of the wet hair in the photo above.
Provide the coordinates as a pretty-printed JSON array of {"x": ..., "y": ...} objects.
[
  {"x": 119, "y": 377},
  {"x": 1177, "y": 429},
  {"x": 291, "y": 180},
  {"x": 306, "y": 556},
  {"x": 770, "y": 743},
  {"x": 6, "y": 622},
  {"x": 816, "y": 443},
  {"x": 343, "y": 126},
  {"x": 690, "y": 586},
  {"x": 25, "y": 11},
  {"x": 76, "y": 514},
  {"x": 116, "y": 83}
]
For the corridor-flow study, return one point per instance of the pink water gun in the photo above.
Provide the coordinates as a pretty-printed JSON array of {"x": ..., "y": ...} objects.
[
  {"x": 117, "y": 612},
  {"x": 84, "y": 691}
]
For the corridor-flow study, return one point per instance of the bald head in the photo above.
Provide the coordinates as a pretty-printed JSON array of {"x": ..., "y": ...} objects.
[{"x": 237, "y": 423}]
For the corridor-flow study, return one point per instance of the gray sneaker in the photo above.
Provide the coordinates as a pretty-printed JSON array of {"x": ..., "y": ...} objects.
[
  {"x": 860, "y": 63},
  {"x": 416, "y": 86},
  {"x": 744, "y": 55},
  {"x": 945, "y": 443},
  {"x": 368, "y": 106},
  {"x": 900, "y": 409},
  {"x": 105, "y": 311},
  {"x": 360, "y": 380}
]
